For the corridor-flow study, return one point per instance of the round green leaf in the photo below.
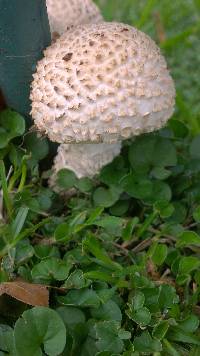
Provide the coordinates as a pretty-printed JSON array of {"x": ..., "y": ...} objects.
[
  {"x": 107, "y": 311},
  {"x": 66, "y": 179},
  {"x": 44, "y": 199},
  {"x": 105, "y": 197},
  {"x": 179, "y": 214},
  {"x": 111, "y": 224},
  {"x": 71, "y": 316},
  {"x": 44, "y": 251},
  {"x": 196, "y": 214},
  {"x": 138, "y": 300},
  {"x": 188, "y": 238},
  {"x": 81, "y": 298},
  {"x": 182, "y": 279},
  {"x": 40, "y": 328},
  {"x": 62, "y": 232},
  {"x": 179, "y": 128},
  {"x": 12, "y": 122},
  {"x": 146, "y": 344},
  {"x": 160, "y": 254},
  {"x": 38, "y": 146},
  {"x": 167, "y": 296},
  {"x": 4, "y": 138},
  {"x": 151, "y": 151},
  {"x": 188, "y": 264},
  {"x": 160, "y": 173},
  {"x": 164, "y": 208},
  {"x": 189, "y": 324},
  {"x": 7, "y": 342},
  {"x": 139, "y": 188},
  {"x": 84, "y": 184},
  {"x": 107, "y": 333},
  {"x": 194, "y": 147},
  {"x": 120, "y": 207},
  {"x": 141, "y": 316},
  {"x": 24, "y": 251},
  {"x": 76, "y": 280},
  {"x": 113, "y": 172},
  {"x": 51, "y": 269},
  {"x": 161, "y": 191}
]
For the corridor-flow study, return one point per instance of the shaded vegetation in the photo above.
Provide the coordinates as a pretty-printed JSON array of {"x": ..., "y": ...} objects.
[{"x": 119, "y": 254}]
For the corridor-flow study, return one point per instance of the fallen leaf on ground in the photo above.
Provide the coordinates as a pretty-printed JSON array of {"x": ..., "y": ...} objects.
[{"x": 28, "y": 293}]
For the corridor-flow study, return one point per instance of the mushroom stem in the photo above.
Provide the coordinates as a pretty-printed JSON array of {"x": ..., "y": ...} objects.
[
  {"x": 24, "y": 34},
  {"x": 84, "y": 159}
]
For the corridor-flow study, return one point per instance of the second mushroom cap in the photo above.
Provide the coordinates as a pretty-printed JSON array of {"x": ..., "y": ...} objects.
[{"x": 66, "y": 13}]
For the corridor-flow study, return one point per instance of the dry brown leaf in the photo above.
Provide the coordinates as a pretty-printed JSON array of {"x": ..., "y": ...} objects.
[
  {"x": 32, "y": 294},
  {"x": 152, "y": 271}
]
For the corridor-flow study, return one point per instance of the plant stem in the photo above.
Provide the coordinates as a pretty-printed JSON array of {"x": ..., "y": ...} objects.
[
  {"x": 23, "y": 235},
  {"x": 6, "y": 196},
  {"x": 23, "y": 177},
  {"x": 149, "y": 220},
  {"x": 13, "y": 179}
]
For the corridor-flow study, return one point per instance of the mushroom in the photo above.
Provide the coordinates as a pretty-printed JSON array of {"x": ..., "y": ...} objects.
[
  {"x": 101, "y": 83},
  {"x": 66, "y": 13}
]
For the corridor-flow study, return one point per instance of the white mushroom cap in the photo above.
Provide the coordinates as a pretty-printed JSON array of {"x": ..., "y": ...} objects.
[
  {"x": 85, "y": 160},
  {"x": 101, "y": 83},
  {"x": 66, "y": 13}
]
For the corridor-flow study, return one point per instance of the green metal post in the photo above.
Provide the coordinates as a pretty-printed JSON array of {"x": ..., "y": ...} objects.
[{"x": 24, "y": 33}]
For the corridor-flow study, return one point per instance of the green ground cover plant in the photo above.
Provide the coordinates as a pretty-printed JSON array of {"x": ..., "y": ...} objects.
[
  {"x": 120, "y": 257},
  {"x": 109, "y": 266}
]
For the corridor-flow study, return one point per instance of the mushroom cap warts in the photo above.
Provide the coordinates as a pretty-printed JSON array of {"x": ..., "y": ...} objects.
[
  {"x": 101, "y": 83},
  {"x": 66, "y": 13},
  {"x": 85, "y": 160}
]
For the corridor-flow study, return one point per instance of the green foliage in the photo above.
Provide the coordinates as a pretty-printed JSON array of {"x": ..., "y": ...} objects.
[
  {"x": 50, "y": 269},
  {"x": 120, "y": 256},
  {"x": 66, "y": 179},
  {"x": 12, "y": 125},
  {"x": 37, "y": 329},
  {"x": 38, "y": 147}
]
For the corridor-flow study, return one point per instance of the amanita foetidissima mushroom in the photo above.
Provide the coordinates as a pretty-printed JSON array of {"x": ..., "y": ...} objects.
[
  {"x": 66, "y": 13},
  {"x": 101, "y": 83}
]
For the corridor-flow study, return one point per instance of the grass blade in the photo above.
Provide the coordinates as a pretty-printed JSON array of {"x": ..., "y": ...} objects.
[
  {"x": 180, "y": 37},
  {"x": 6, "y": 196},
  {"x": 19, "y": 221},
  {"x": 146, "y": 13}
]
